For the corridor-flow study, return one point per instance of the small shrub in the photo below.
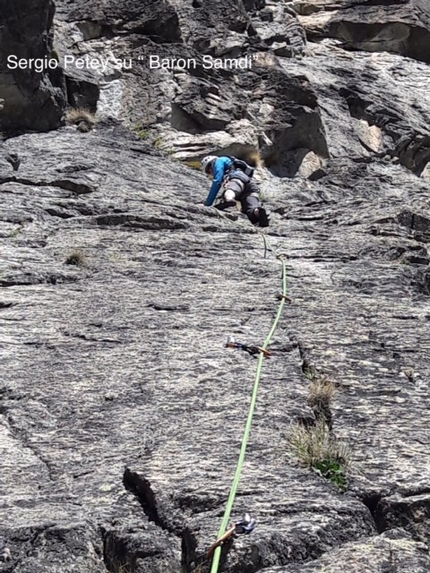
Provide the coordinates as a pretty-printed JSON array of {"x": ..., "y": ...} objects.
[
  {"x": 76, "y": 258},
  {"x": 319, "y": 450}
]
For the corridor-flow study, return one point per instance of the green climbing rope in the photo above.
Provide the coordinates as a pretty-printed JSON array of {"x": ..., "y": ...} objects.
[{"x": 235, "y": 484}]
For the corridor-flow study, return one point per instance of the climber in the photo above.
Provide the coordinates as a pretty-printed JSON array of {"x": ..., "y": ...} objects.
[{"x": 234, "y": 178}]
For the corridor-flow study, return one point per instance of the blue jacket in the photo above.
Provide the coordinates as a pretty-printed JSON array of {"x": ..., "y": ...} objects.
[{"x": 220, "y": 168}]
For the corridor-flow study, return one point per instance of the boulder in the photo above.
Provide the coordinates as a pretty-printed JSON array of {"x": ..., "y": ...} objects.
[{"x": 311, "y": 166}]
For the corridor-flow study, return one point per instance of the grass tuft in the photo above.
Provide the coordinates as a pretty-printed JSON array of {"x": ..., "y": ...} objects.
[
  {"x": 251, "y": 156},
  {"x": 318, "y": 449},
  {"x": 196, "y": 165},
  {"x": 83, "y": 118},
  {"x": 138, "y": 130},
  {"x": 76, "y": 258},
  {"x": 321, "y": 392}
]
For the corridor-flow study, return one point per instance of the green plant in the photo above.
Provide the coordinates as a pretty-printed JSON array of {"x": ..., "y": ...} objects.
[
  {"x": 310, "y": 372},
  {"x": 138, "y": 130},
  {"x": 76, "y": 258},
  {"x": 16, "y": 232},
  {"x": 334, "y": 471},
  {"x": 318, "y": 449}
]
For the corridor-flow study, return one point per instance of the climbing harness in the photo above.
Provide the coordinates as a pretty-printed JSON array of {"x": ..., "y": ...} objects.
[
  {"x": 225, "y": 533},
  {"x": 252, "y": 350},
  {"x": 241, "y": 165}
]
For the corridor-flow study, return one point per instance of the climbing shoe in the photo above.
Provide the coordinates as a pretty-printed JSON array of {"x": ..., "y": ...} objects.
[
  {"x": 225, "y": 205},
  {"x": 263, "y": 217}
]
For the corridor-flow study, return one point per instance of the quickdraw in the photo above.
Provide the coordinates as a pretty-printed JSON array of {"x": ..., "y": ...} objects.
[
  {"x": 245, "y": 526},
  {"x": 252, "y": 350}
]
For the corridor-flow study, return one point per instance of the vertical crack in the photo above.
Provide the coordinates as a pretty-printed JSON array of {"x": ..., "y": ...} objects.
[{"x": 371, "y": 501}]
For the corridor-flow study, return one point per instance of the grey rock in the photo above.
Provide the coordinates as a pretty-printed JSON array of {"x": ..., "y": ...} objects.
[
  {"x": 376, "y": 555},
  {"x": 128, "y": 367},
  {"x": 371, "y": 93},
  {"x": 288, "y": 102},
  {"x": 121, "y": 410},
  {"x": 14, "y": 160},
  {"x": 401, "y": 26},
  {"x": 177, "y": 100},
  {"x": 33, "y": 98},
  {"x": 278, "y": 28}
]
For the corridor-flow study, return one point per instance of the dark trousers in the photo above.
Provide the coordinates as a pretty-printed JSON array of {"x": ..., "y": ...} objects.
[{"x": 247, "y": 194}]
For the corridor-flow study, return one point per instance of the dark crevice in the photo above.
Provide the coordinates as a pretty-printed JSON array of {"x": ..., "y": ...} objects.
[
  {"x": 371, "y": 501},
  {"x": 419, "y": 491},
  {"x": 29, "y": 278},
  {"x": 129, "y": 220},
  {"x": 412, "y": 515},
  {"x": 141, "y": 488},
  {"x": 144, "y": 493},
  {"x": 66, "y": 184}
]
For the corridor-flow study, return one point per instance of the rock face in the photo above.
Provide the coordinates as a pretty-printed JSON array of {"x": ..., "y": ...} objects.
[
  {"x": 402, "y": 26},
  {"x": 121, "y": 410},
  {"x": 32, "y": 91},
  {"x": 176, "y": 104},
  {"x": 285, "y": 106}
]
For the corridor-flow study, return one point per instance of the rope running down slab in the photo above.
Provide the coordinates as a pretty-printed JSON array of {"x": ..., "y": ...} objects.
[{"x": 246, "y": 434}]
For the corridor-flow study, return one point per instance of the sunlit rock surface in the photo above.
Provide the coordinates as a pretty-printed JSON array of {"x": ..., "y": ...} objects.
[{"x": 121, "y": 410}]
